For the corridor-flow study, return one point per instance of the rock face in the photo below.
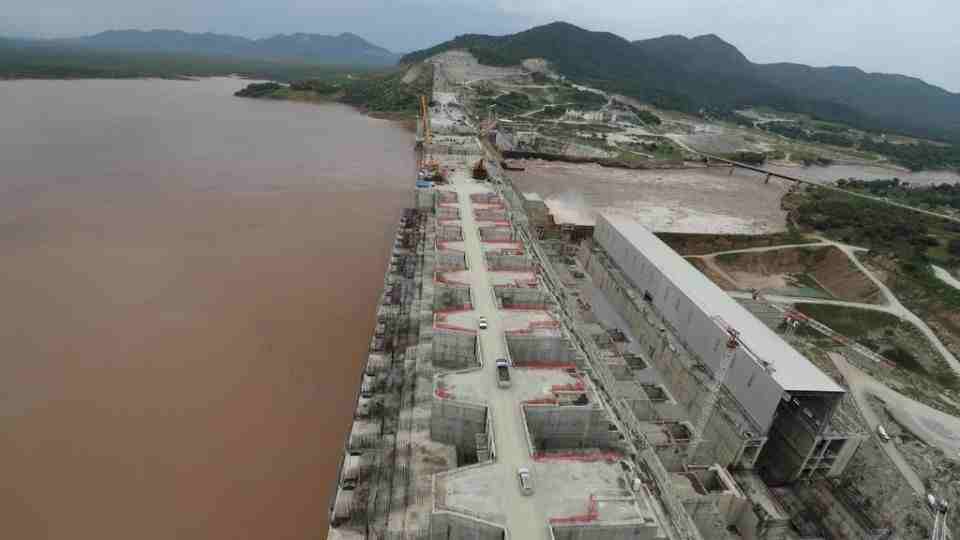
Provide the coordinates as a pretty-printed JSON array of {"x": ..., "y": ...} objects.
[
  {"x": 457, "y": 67},
  {"x": 538, "y": 65}
]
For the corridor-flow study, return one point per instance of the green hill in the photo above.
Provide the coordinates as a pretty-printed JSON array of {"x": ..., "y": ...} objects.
[
  {"x": 341, "y": 49},
  {"x": 47, "y": 60},
  {"x": 707, "y": 72}
]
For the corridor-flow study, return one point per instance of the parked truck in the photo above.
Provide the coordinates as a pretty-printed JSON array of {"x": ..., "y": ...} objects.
[{"x": 503, "y": 373}]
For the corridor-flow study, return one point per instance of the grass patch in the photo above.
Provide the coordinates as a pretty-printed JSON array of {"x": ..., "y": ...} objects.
[
  {"x": 806, "y": 280},
  {"x": 581, "y": 99},
  {"x": 704, "y": 244},
  {"x": 381, "y": 92},
  {"x": 551, "y": 112},
  {"x": 728, "y": 258},
  {"x": 851, "y": 322},
  {"x": 914, "y": 360},
  {"x": 511, "y": 103},
  {"x": 904, "y": 359}
]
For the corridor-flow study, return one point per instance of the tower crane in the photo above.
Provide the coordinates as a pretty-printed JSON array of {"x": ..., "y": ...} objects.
[{"x": 719, "y": 376}]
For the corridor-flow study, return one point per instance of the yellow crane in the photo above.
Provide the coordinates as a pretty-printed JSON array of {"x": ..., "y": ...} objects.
[
  {"x": 428, "y": 167},
  {"x": 425, "y": 118}
]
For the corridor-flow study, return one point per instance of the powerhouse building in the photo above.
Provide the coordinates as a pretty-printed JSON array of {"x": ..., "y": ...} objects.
[{"x": 771, "y": 388}]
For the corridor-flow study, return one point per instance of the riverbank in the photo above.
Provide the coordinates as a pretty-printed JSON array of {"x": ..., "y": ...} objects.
[
  {"x": 277, "y": 92},
  {"x": 393, "y": 95},
  {"x": 46, "y": 61}
]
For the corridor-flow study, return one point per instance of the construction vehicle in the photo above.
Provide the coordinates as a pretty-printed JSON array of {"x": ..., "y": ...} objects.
[
  {"x": 939, "y": 507},
  {"x": 480, "y": 171},
  {"x": 503, "y": 373},
  {"x": 526, "y": 480},
  {"x": 428, "y": 169}
]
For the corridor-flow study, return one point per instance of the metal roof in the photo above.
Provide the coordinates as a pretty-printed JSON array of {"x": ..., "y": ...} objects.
[{"x": 792, "y": 370}]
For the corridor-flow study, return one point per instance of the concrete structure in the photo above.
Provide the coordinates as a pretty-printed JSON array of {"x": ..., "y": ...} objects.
[
  {"x": 652, "y": 402},
  {"x": 450, "y": 296},
  {"x": 582, "y": 493},
  {"x": 581, "y": 499},
  {"x": 457, "y": 422},
  {"x": 538, "y": 214},
  {"x": 449, "y": 259},
  {"x": 732, "y": 437},
  {"x": 770, "y": 391},
  {"x": 512, "y": 298},
  {"x": 552, "y": 219},
  {"x": 438, "y": 456},
  {"x": 540, "y": 348},
  {"x": 499, "y": 261},
  {"x": 721, "y": 503},
  {"x": 449, "y": 230},
  {"x": 425, "y": 198},
  {"x": 454, "y": 343}
]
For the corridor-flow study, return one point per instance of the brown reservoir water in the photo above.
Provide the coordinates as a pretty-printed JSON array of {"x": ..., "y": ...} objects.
[{"x": 189, "y": 284}]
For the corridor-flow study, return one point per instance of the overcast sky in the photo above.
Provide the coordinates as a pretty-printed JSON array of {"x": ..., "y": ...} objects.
[{"x": 916, "y": 37}]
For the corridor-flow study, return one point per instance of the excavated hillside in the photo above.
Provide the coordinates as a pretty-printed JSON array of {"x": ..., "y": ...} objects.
[
  {"x": 715, "y": 276},
  {"x": 825, "y": 268}
]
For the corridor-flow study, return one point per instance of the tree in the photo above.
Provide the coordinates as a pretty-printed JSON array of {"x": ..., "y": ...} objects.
[{"x": 954, "y": 247}]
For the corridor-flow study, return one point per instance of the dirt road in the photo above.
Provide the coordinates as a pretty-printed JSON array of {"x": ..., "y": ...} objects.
[
  {"x": 891, "y": 304},
  {"x": 859, "y": 382},
  {"x": 936, "y": 428}
]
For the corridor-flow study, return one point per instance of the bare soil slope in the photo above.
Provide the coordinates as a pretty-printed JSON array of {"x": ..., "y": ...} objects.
[
  {"x": 826, "y": 267},
  {"x": 708, "y": 270}
]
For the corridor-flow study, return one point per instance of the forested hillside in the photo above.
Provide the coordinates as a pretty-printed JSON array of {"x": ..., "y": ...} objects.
[{"x": 708, "y": 73}]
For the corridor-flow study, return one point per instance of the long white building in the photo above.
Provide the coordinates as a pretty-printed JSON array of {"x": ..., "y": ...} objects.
[{"x": 784, "y": 395}]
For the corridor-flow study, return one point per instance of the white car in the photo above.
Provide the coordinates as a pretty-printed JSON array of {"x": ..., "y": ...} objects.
[
  {"x": 526, "y": 481},
  {"x": 482, "y": 323}
]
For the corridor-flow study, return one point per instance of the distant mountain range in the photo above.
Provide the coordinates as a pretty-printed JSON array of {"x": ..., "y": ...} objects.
[
  {"x": 706, "y": 72},
  {"x": 343, "y": 49}
]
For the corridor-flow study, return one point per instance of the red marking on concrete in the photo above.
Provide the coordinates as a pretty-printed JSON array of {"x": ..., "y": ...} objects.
[
  {"x": 545, "y": 365},
  {"x": 534, "y": 326},
  {"x": 511, "y": 241},
  {"x": 443, "y": 245},
  {"x": 583, "y": 457},
  {"x": 592, "y": 514},
  {"x": 541, "y": 401},
  {"x": 459, "y": 309},
  {"x": 576, "y": 387},
  {"x": 440, "y": 277}
]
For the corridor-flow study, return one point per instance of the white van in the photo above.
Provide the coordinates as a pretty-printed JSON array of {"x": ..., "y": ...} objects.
[
  {"x": 882, "y": 433},
  {"x": 526, "y": 481}
]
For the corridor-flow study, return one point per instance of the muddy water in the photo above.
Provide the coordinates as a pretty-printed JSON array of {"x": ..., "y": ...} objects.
[
  {"x": 188, "y": 288},
  {"x": 832, "y": 173},
  {"x": 678, "y": 200}
]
